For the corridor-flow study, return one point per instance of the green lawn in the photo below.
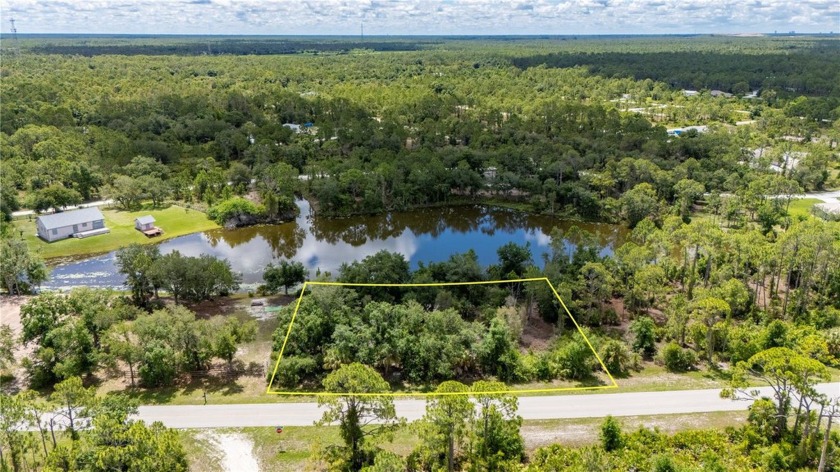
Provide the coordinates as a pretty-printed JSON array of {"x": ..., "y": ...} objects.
[
  {"x": 802, "y": 206},
  {"x": 174, "y": 221}
]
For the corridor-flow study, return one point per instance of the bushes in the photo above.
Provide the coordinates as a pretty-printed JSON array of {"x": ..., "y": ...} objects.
[
  {"x": 294, "y": 369},
  {"x": 235, "y": 208},
  {"x": 574, "y": 360},
  {"x": 616, "y": 357},
  {"x": 611, "y": 437},
  {"x": 677, "y": 359},
  {"x": 645, "y": 336}
]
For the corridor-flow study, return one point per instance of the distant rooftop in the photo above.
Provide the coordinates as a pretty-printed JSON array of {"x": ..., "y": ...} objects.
[{"x": 70, "y": 218}]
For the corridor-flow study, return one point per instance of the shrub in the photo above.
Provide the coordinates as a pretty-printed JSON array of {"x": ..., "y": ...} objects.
[
  {"x": 677, "y": 359},
  {"x": 616, "y": 357},
  {"x": 645, "y": 341},
  {"x": 233, "y": 208},
  {"x": 611, "y": 437},
  {"x": 294, "y": 369},
  {"x": 574, "y": 360},
  {"x": 157, "y": 368}
]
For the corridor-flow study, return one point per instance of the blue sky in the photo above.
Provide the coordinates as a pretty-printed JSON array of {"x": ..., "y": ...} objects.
[{"x": 432, "y": 17}]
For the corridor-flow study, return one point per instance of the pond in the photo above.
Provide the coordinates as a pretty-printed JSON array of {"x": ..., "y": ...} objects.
[{"x": 427, "y": 235}]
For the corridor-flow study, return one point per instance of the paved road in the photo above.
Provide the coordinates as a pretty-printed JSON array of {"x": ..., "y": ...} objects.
[
  {"x": 531, "y": 408},
  {"x": 83, "y": 205},
  {"x": 828, "y": 197}
]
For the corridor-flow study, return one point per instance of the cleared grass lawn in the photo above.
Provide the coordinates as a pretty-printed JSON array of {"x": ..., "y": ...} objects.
[
  {"x": 802, "y": 207},
  {"x": 174, "y": 221}
]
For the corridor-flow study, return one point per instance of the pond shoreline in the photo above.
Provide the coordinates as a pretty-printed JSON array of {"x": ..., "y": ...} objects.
[{"x": 323, "y": 244}]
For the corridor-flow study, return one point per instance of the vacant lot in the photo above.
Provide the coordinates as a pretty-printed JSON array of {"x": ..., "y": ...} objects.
[{"x": 174, "y": 221}]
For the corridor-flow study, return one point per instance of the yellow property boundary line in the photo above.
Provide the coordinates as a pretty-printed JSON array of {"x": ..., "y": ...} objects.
[{"x": 427, "y": 394}]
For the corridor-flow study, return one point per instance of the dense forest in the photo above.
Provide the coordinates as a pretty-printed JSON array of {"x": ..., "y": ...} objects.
[
  {"x": 723, "y": 273},
  {"x": 394, "y": 131}
]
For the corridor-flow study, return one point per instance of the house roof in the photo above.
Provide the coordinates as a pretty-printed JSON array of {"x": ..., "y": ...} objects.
[
  {"x": 144, "y": 220},
  {"x": 69, "y": 218}
]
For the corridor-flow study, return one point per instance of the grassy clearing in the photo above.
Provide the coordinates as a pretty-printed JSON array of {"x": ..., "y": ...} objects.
[
  {"x": 174, "y": 221},
  {"x": 295, "y": 448},
  {"x": 802, "y": 207}
]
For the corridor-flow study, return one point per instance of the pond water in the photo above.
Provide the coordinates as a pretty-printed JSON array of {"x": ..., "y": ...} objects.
[{"x": 427, "y": 235}]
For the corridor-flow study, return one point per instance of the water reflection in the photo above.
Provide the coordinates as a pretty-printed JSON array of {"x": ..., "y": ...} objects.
[{"x": 324, "y": 244}]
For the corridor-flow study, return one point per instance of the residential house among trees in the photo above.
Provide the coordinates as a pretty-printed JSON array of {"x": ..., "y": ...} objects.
[{"x": 77, "y": 223}]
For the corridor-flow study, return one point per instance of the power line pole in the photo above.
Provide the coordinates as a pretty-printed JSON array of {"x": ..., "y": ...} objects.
[{"x": 15, "y": 49}]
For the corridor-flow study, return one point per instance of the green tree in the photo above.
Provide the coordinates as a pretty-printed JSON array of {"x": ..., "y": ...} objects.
[
  {"x": 121, "y": 344},
  {"x": 56, "y": 196},
  {"x": 286, "y": 274},
  {"x": 513, "y": 260},
  {"x": 687, "y": 191},
  {"x": 144, "y": 166},
  {"x": 644, "y": 339},
  {"x": 7, "y": 349},
  {"x": 67, "y": 332},
  {"x": 446, "y": 422},
  {"x": 597, "y": 283},
  {"x": 12, "y": 438},
  {"x": 639, "y": 203},
  {"x": 135, "y": 262},
  {"x": 229, "y": 334},
  {"x": 710, "y": 310},
  {"x": 126, "y": 191},
  {"x": 789, "y": 375},
  {"x": 154, "y": 189},
  {"x": 20, "y": 270},
  {"x": 361, "y": 414},
  {"x": 74, "y": 401},
  {"x": 171, "y": 272},
  {"x": 278, "y": 179},
  {"x": 498, "y": 354},
  {"x": 496, "y": 440}
]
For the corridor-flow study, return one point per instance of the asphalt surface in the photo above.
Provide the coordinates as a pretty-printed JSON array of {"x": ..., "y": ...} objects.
[
  {"x": 68, "y": 208},
  {"x": 530, "y": 408}
]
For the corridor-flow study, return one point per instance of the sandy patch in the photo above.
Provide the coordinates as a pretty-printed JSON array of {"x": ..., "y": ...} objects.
[
  {"x": 569, "y": 435},
  {"x": 236, "y": 451},
  {"x": 10, "y": 311},
  {"x": 10, "y": 315}
]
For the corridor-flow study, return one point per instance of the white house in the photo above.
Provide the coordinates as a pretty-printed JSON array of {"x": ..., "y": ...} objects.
[
  {"x": 77, "y": 223},
  {"x": 144, "y": 223}
]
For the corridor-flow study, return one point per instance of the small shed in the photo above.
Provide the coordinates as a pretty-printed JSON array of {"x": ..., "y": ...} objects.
[{"x": 144, "y": 223}]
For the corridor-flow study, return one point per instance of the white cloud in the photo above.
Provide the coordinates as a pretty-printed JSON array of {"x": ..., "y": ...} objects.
[{"x": 399, "y": 17}]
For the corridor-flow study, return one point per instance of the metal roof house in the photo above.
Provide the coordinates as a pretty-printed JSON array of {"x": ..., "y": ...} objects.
[{"x": 77, "y": 223}]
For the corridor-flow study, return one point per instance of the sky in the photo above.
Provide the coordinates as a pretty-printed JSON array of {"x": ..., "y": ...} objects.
[{"x": 420, "y": 17}]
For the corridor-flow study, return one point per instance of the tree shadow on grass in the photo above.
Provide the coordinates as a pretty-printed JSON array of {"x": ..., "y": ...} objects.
[
  {"x": 715, "y": 372},
  {"x": 593, "y": 381}
]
